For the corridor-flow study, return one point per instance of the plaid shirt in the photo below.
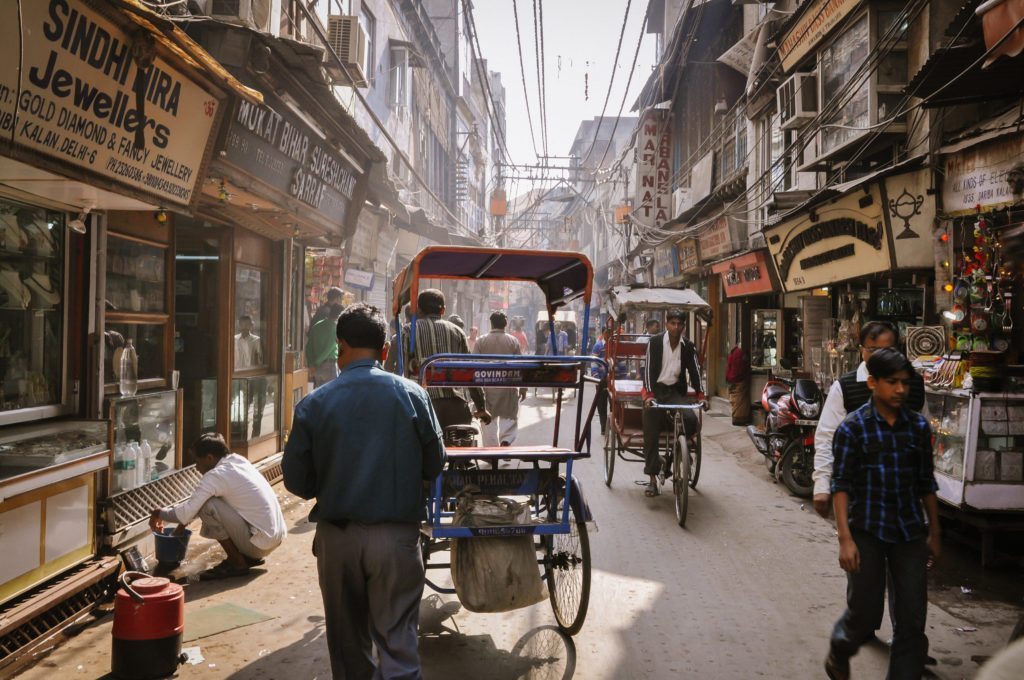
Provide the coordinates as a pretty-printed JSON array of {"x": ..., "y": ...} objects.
[{"x": 885, "y": 470}]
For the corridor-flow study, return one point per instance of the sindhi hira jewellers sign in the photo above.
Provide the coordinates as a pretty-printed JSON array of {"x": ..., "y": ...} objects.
[{"x": 82, "y": 98}]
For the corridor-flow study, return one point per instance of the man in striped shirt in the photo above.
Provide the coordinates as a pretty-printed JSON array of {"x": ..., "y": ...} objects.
[{"x": 435, "y": 335}]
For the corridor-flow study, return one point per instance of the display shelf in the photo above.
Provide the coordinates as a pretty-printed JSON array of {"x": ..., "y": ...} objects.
[{"x": 153, "y": 418}]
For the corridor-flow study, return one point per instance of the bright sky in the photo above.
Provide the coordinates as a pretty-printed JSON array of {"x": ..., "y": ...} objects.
[{"x": 579, "y": 51}]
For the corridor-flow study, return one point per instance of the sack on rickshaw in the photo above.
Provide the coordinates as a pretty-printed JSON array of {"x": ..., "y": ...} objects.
[{"x": 499, "y": 573}]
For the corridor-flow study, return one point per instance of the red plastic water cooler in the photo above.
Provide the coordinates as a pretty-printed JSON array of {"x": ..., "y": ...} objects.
[{"x": 149, "y": 618}]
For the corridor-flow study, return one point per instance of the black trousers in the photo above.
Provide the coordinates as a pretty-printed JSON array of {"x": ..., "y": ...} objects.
[
  {"x": 906, "y": 564},
  {"x": 452, "y": 411},
  {"x": 655, "y": 421}
]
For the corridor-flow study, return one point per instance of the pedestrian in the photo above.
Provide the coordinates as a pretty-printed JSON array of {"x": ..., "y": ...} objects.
[
  {"x": 601, "y": 373},
  {"x": 435, "y": 335},
  {"x": 322, "y": 347},
  {"x": 335, "y": 296},
  {"x": 457, "y": 320},
  {"x": 236, "y": 505},
  {"x": 737, "y": 374},
  {"x": 363, "y": 446},
  {"x": 520, "y": 335},
  {"x": 474, "y": 335},
  {"x": 652, "y": 327},
  {"x": 501, "y": 402},
  {"x": 563, "y": 340},
  {"x": 847, "y": 395},
  {"x": 883, "y": 487}
]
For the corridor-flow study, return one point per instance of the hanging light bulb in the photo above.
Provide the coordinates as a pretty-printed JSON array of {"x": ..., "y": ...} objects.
[{"x": 948, "y": 288}]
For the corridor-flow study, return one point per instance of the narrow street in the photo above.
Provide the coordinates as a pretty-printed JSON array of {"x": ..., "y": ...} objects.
[{"x": 749, "y": 589}]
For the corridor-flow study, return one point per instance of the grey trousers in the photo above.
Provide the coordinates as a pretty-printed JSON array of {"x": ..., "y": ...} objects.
[
  {"x": 371, "y": 581},
  {"x": 222, "y": 522}
]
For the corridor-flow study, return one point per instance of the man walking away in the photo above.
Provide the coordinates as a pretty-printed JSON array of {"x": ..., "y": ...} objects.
[
  {"x": 335, "y": 296},
  {"x": 502, "y": 402},
  {"x": 237, "y": 506},
  {"x": 363, "y": 446},
  {"x": 435, "y": 335},
  {"x": 322, "y": 347},
  {"x": 883, "y": 476},
  {"x": 737, "y": 374}
]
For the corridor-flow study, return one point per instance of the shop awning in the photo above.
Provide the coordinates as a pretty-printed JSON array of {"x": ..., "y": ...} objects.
[
  {"x": 1001, "y": 23},
  {"x": 1008, "y": 123},
  {"x": 175, "y": 40}
]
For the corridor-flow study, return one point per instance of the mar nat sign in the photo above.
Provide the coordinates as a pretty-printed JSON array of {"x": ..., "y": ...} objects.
[
  {"x": 274, "y": 145},
  {"x": 654, "y": 169},
  {"x": 81, "y": 97}
]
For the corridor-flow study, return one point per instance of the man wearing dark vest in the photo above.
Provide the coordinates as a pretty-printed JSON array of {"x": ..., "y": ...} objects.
[
  {"x": 671, "y": 358},
  {"x": 847, "y": 395}
]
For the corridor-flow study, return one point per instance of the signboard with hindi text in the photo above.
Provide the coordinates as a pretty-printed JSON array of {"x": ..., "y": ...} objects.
[
  {"x": 82, "y": 98},
  {"x": 653, "y": 204}
]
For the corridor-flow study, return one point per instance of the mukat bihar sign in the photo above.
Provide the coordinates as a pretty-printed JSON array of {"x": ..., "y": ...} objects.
[
  {"x": 92, "y": 96},
  {"x": 653, "y": 205}
]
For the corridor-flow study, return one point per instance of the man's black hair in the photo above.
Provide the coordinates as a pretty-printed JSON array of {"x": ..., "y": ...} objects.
[
  {"x": 887, "y": 362},
  {"x": 457, "y": 320},
  {"x": 335, "y": 293},
  {"x": 245, "y": 317},
  {"x": 872, "y": 329},
  {"x": 334, "y": 311},
  {"x": 211, "y": 443},
  {"x": 362, "y": 326},
  {"x": 674, "y": 314},
  {"x": 431, "y": 301},
  {"x": 499, "y": 319}
]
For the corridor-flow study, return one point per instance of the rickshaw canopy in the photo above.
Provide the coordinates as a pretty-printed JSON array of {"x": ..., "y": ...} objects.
[
  {"x": 621, "y": 299},
  {"x": 562, "y": 276}
]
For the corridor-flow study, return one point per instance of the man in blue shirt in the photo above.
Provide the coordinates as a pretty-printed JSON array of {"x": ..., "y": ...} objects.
[
  {"x": 882, "y": 478},
  {"x": 362, "y": 445}
]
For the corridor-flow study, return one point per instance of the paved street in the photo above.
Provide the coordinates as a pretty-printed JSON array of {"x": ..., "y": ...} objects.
[{"x": 749, "y": 589}]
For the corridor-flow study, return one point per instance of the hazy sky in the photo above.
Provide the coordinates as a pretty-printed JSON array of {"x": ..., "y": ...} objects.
[{"x": 579, "y": 50}]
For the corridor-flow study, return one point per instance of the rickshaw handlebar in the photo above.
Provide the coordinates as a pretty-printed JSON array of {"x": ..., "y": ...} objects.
[{"x": 678, "y": 407}]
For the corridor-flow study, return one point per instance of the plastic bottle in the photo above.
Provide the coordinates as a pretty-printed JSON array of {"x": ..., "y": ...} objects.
[
  {"x": 118, "y": 468},
  {"x": 147, "y": 454},
  {"x": 131, "y": 461},
  {"x": 129, "y": 383}
]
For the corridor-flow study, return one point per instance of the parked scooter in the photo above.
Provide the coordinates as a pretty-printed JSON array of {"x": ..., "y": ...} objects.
[{"x": 792, "y": 407}]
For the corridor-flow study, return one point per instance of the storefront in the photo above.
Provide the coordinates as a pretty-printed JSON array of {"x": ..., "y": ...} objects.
[{"x": 87, "y": 192}]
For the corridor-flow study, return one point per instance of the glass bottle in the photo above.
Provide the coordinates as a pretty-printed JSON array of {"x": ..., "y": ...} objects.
[{"x": 129, "y": 383}]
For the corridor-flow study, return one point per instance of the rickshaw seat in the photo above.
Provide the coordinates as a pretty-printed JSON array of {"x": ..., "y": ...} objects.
[
  {"x": 628, "y": 387},
  {"x": 527, "y": 453},
  {"x": 627, "y": 348}
]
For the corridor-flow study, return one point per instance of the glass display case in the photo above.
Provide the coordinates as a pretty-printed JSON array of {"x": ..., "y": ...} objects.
[
  {"x": 33, "y": 448},
  {"x": 31, "y": 308},
  {"x": 145, "y": 438},
  {"x": 253, "y": 407},
  {"x": 978, "y": 448},
  {"x": 767, "y": 339}
]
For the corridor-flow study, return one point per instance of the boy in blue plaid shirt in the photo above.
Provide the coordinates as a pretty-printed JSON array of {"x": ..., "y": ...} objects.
[{"x": 882, "y": 486}]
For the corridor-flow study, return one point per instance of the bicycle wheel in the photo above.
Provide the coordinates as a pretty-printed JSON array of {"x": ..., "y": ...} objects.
[
  {"x": 611, "y": 452},
  {"x": 695, "y": 466},
  {"x": 567, "y": 561},
  {"x": 681, "y": 478}
]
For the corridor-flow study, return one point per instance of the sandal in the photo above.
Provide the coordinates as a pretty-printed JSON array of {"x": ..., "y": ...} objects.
[
  {"x": 222, "y": 571},
  {"x": 651, "y": 490}
]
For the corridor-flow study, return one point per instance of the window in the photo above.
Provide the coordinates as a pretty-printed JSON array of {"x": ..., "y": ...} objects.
[
  {"x": 369, "y": 25},
  {"x": 838, "y": 64},
  {"x": 398, "y": 80},
  {"x": 251, "y": 306},
  {"x": 31, "y": 306}
]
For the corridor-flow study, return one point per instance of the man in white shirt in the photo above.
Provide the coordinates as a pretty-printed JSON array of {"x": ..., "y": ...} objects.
[
  {"x": 237, "y": 507},
  {"x": 670, "y": 359},
  {"x": 846, "y": 395},
  {"x": 248, "y": 349}
]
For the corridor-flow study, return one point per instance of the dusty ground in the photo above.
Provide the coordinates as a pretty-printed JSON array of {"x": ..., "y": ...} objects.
[{"x": 750, "y": 589}]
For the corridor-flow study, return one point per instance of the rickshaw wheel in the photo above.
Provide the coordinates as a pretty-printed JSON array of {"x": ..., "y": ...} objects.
[
  {"x": 681, "y": 478},
  {"x": 610, "y": 454},
  {"x": 695, "y": 468},
  {"x": 567, "y": 559}
]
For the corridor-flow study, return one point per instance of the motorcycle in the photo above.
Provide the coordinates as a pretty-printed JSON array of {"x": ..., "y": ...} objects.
[{"x": 792, "y": 409}]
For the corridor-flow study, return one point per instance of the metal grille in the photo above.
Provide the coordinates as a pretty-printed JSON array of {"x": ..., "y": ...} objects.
[
  {"x": 134, "y": 506},
  {"x": 19, "y": 639},
  {"x": 273, "y": 471}
]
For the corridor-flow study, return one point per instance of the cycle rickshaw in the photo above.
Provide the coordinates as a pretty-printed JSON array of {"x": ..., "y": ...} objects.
[
  {"x": 625, "y": 353},
  {"x": 543, "y": 473}
]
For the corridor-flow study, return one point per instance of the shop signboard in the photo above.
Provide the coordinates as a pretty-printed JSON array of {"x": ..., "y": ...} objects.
[
  {"x": 357, "y": 278},
  {"x": 715, "y": 239},
  {"x": 910, "y": 209},
  {"x": 665, "y": 264},
  {"x": 687, "y": 254},
  {"x": 835, "y": 241},
  {"x": 273, "y": 144},
  {"x": 747, "y": 274},
  {"x": 653, "y": 204},
  {"x": 816, "y": 22},
  {"x": 81, "y": 99},
  {"x": 979, "y": 175}
]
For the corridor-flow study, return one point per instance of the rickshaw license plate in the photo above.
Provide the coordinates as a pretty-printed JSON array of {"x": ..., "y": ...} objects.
[{"x": 512, "y": 482}]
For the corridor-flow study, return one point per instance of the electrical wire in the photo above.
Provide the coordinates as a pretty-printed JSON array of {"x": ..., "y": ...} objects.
[
  {"x": 611, "y": 81},
  {"x": 522, "y": 73},
  {"x": 543, "y": 73}
]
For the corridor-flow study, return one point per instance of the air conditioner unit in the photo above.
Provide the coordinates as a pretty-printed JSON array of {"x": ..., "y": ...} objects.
[
  {"x": 347, "y": 39},
  {"x": 797, "y": 98},
  {"x": 252, "y": 13}
]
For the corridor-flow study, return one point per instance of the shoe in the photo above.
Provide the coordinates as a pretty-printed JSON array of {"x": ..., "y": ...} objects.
[
  {"x": 506, "y": 443},
  {"x": 223, "y": 571},
  {"x": 651, "y": 490},
  {"x": 836, "y": 669},
  {"x": 254, "y": 561}
]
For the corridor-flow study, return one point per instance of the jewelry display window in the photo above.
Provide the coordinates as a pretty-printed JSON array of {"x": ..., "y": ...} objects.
[{"x": 32, "y": 322}]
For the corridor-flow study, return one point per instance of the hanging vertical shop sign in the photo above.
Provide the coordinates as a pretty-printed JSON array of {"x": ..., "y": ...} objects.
[
  {"x": 653, "y": 205},
  {"x": 91, "y": 96},
  {"x": 981, "y": 176}
]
